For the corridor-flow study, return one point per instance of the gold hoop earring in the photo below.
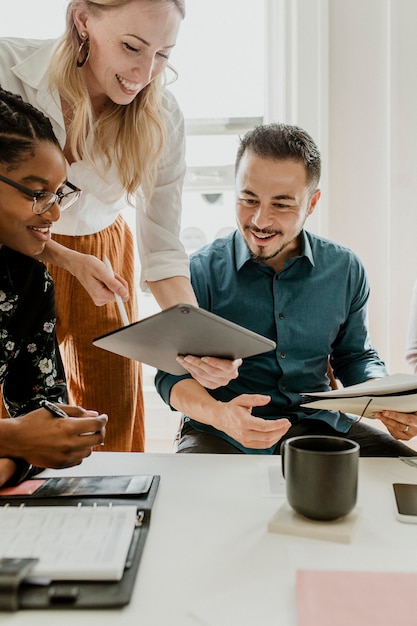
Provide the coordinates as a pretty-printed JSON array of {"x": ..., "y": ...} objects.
[{"x": 83, "y": 50}]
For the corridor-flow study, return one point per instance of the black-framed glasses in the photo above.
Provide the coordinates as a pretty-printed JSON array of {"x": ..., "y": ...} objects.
[{"x": 44, "y": 200}]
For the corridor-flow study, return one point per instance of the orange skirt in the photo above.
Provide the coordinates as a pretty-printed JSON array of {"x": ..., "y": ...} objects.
[{"x": 98, "y": 379}]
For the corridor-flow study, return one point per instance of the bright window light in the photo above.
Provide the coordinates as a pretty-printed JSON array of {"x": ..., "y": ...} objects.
[
  {"x": 34, "y": 20},
  {"x": 219, "y": 53},
  {"x": 220, "y": 58}
]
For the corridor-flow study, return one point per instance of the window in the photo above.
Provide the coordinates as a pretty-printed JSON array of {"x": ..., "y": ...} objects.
[
  {"x": 219, "y": 57},
  {"x": 220, "y": 60}
]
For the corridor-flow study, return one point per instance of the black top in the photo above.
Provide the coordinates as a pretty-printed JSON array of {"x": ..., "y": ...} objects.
[{"x": 30, "y": 364}]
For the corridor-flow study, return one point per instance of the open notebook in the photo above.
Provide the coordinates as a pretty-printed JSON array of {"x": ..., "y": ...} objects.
[{"x": 397, "y": 392}]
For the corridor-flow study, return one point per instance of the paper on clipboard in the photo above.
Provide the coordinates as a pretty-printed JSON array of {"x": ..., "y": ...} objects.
[{"x": 397, "y": 392}]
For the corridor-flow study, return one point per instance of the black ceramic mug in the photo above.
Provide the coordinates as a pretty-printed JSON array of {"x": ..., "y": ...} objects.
[{"x": 321, "y": 475}]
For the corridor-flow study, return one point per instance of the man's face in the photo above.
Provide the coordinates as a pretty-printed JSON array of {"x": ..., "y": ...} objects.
[{"x": 273, "y": 202}]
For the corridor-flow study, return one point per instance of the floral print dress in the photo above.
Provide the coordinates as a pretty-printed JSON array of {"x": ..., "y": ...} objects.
[{"x": 30, "y": 364}]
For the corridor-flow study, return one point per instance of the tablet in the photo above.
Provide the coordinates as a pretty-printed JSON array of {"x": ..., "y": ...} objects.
[{"x": 180, "y": 330}]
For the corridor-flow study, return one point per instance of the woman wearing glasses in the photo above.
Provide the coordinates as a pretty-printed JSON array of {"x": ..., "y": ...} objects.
[
  {"x": 33, "y": 189},
  {"x": 103, "y": 87}
]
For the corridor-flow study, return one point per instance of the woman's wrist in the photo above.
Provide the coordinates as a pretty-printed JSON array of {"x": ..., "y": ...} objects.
[
  {"x": 61, "y": 256},
  {"x": 8, "y": 470}
]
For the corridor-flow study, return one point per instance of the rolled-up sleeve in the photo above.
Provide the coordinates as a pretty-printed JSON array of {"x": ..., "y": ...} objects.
[
  {"x": 161, "y": 252},
  {"x": 164, "y": 383}
]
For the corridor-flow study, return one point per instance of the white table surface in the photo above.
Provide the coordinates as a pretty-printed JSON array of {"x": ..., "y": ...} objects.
[{"x": 209, "y": 559}]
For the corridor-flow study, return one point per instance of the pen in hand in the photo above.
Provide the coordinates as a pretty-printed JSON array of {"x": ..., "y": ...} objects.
[
  {"x": 56, "y": 411},
  {"x": 53, "y": 408},
  {"x": 118, "y": 299}
]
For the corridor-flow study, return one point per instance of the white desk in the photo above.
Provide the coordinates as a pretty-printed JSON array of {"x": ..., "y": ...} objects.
[{"x": 208, "y": 558}]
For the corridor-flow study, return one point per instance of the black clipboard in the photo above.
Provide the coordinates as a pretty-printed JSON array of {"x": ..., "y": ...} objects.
[
  {"x": 183, "y": 329},
  {"x": 16, "y": 594}
]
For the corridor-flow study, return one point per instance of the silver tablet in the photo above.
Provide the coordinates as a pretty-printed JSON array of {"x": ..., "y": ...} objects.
[{"x": 180, "y": 330}]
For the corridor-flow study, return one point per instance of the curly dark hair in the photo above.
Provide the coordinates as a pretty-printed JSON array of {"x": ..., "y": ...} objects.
[{"x": 22, "y": 126}]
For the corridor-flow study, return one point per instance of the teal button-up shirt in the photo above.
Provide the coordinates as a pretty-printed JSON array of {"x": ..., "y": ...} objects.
[{"x": 315, "y": 307}]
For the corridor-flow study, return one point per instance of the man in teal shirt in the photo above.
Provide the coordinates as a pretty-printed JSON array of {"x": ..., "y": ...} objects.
[{"x": 306, "y": 293}]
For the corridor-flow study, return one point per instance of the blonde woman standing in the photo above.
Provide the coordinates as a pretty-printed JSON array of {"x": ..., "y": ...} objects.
[{"x": 102, "y": 85}]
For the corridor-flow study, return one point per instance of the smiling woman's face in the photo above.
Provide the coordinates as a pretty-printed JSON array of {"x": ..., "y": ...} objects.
[
  {"x": 129, "y": 47},
  {"x": 20, "y": 228}
]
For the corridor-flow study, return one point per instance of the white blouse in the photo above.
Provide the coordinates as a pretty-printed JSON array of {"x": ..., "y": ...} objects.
[{"x": 23, "y": 70}]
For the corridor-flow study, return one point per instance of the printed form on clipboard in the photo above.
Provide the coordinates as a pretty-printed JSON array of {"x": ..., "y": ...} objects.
[
  {"x": 69, "y": 542},
  {"x": 397, "y": 392},
  {"x": 73, "y": 542}
]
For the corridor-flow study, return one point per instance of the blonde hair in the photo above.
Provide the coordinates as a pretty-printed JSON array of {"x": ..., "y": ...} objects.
[{"x": 132, "y": 136}]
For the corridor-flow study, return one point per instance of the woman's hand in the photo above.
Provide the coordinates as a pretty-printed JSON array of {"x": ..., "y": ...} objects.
[
  {"x": 97, "y": 279},
  {"x": 44, "y": 440}
]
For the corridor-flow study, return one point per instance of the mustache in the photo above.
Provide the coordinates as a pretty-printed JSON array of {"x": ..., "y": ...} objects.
[{"x": 263, "y": 231}]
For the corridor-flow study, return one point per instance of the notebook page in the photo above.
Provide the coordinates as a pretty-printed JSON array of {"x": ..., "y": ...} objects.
[{"x": 71, "y": 542}]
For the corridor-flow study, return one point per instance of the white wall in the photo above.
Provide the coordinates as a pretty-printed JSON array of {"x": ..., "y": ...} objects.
[{"x": 355, "y": 90}]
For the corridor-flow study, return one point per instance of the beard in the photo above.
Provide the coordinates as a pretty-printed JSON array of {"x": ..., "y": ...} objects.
[{"x": 261, "y": 256}]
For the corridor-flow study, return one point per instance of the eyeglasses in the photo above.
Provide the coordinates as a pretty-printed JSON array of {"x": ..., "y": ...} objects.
[{"x": 44, "y": 200}]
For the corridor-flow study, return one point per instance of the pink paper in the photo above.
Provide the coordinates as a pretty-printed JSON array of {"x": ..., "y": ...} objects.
[
  {"x": 27, "y": 487},
  {"x": 354, "y": 598}
]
